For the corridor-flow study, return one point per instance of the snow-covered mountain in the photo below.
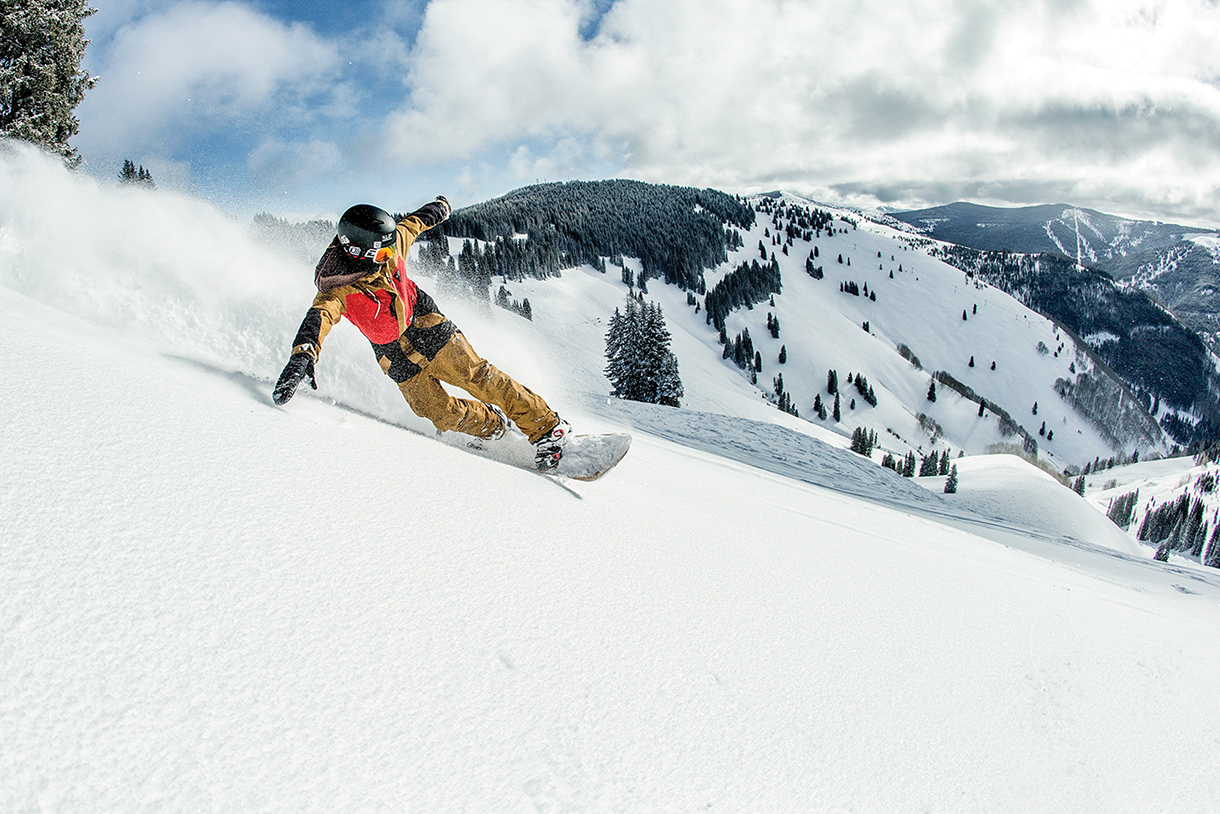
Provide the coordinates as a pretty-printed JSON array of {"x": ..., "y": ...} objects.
[
  {"x": 207, "y": 601},
  {"x": 1088, "y": 235},
  {"x": 1185, "y": 276},
  {"x": 1179, "y": 265},
  {"x": 862, "y": 299}
]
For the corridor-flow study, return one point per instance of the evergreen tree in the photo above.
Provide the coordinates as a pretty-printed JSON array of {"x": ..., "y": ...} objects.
[
  {"x": 932, "y": 390},
  {"x": 1078, "y": 486},
  {"x": 1123, "y": 508},
  {"x": 818, "y": 407},
  {"x": 862, "y": 442},
  {"x": 837, "y": 414},
  {"x": 951, "y": 481},
  {"x": 944, "y": 463},
  {"x": 783, "y": 354},
  {"x": 929, "y": 465},
  {"x": 669, "y": 383},
  {"x": 641, "y": 366},
  {"x": 42, "y": 43}
]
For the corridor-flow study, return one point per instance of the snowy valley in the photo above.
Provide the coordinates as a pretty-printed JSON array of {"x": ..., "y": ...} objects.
[{"x": 208, "y": 602}]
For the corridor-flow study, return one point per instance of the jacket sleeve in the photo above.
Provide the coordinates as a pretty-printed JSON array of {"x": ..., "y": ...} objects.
[
  {"x": 326, "y": 310},
  {"x": 421, "y": 220}
]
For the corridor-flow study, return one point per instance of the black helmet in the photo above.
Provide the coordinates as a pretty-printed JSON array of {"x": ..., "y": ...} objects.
[{"x": 364, "y": 229}]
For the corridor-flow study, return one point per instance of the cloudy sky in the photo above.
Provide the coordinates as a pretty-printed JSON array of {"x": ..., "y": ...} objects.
[{"x": 302, "y": 107}]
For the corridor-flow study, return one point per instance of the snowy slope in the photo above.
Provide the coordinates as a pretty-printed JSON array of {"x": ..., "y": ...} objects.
[{"x": 209, "y": 602}]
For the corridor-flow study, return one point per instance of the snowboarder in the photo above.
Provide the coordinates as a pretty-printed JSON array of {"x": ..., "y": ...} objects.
[{"x": 362, "y": 275}]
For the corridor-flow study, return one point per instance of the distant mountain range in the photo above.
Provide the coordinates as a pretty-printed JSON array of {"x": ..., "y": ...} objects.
[
  {"x": 1094, "y": 237},
  {"x": 1178, "y": 265}
]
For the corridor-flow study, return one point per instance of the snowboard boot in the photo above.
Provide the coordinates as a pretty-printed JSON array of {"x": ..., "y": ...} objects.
[
  {"x": 549, "y": 448},
  {"x": 481, "y": 443},
  {"x": 504, "y": 425}
]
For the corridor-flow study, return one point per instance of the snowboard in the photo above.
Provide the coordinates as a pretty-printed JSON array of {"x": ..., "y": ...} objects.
[{"x": 588, "y": 457}]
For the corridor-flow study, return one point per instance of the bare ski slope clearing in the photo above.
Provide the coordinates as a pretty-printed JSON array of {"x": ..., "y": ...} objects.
[{"x": 209, "y": 602}]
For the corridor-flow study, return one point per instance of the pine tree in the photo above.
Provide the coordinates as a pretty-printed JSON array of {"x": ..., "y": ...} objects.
[
  {"x": 1078, "y": 486},
  {"x": 929, "y": 465},
  {"x": 951, "y": 481},
  {"x": 837, "y": 414},
  {"x": 932, "y": 390},
  {"x": 658, "y": 363},
  {"x": 42, "y": 43},
  {"x": 669, "y": 383},
  {"x": 783, "y": 354},
  {"x": 863, "y": 441}
]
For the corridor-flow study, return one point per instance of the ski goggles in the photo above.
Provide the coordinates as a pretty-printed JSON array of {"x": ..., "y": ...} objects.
[{"x": 378, "y": 254}]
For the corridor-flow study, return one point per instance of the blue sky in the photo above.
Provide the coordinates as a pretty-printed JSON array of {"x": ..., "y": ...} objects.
[{"x": 301, "y": 108}]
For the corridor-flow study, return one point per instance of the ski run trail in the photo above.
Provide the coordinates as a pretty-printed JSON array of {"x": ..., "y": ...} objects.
[{"x": 210, "y": 603}]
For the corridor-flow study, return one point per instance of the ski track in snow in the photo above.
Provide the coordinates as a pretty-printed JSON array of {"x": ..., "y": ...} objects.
[{"x": 208, "y": 602}]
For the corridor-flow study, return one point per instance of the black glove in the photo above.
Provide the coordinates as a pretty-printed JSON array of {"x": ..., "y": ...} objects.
[
  {"x": 442, "y": 199},
  {"x": 298, "y": 367}
]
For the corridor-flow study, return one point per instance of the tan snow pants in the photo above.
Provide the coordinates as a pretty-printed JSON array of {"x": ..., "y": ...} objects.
[{"x": 457, "y": 364}]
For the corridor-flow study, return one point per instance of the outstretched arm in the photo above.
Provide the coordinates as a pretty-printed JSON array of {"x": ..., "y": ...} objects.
[{"x": 422, "y": 219}]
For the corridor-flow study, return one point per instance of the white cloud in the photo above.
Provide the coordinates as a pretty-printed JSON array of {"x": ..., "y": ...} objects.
[
  {"x": 1114, "y": 98},
  {"x": 288, "y": 165},
  {"x": 197, "y": 65}
]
